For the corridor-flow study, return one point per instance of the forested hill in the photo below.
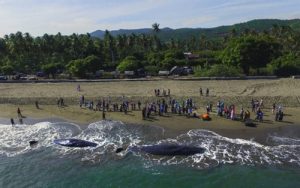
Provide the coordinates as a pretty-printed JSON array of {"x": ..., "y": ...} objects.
[{"x": 166, "y": 34}]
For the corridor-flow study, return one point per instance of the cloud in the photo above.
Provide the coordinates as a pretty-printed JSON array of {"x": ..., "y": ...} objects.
[
  {"x": 52, "y": 16},
  {"x": 40, "y": 17}
]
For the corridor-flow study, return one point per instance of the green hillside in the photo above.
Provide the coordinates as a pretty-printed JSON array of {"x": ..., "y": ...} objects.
[
  {"x": 217, "y": 32},
  {"x": 166, "y": 34}
]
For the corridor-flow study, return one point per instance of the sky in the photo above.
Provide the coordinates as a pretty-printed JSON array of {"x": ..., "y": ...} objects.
[{"x": 82, "y": 16}]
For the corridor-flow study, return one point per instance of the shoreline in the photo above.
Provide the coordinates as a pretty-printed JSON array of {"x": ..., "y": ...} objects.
[
  {"x": 173, "y": 124},
  {"x": 284, "y": 92}
]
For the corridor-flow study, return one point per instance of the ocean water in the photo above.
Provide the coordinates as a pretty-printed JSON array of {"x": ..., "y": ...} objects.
[{"x": 225, "y": 163}]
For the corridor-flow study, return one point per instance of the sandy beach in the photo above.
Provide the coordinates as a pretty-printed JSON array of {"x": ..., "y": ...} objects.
[
  {"x": 285, "y": 91},
  {"x": 239, "y": 92}
]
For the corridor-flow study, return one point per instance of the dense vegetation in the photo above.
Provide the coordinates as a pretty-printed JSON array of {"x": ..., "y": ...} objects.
[{"x": 275, "y": 51}]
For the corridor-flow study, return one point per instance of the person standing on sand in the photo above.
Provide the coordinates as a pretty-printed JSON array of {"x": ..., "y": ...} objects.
[
  {"x": 279, "y": 108},
  {"x": 166, "y": 108},
  {"x": 261, "y": 103},
  {"x": 218, "y": 108},
  {"x": 273, "y": 108},
  {"x": 222, "y": 107},
  {"x": 242, "y": 114},
  {"x": 207, "y": 109},
  {"x": 232, "y": 113},
  {"x": 62, "y": 102},
  {"x": 103, "y": 109},
  {"x": 253, "y": 105},
  {"x": 19, "y": 113},
  {"x": 12, "y": 122},
  {"x": 144, "y": 112},
  {"x": 37, "y": 105},
  {"x": 131, "y": 104},
  {"x": 125, "y": 107},
  {"x": 159, "y": 108},
  {"x": 201, "y": 93},
  {"x": 259, "y": 115},
  {"x": 207, "y": 92},
  {"x": 58, "y": 102},
  {"x": 81, "y": 101}
]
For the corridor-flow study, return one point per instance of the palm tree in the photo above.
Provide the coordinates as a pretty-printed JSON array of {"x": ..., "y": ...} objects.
[
  {"x": 109, "y": 44},
  {"x": 155, "y": 28}
]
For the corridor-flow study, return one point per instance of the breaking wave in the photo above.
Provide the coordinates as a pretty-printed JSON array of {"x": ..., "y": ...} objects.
[{"x": 110, "y": 135}]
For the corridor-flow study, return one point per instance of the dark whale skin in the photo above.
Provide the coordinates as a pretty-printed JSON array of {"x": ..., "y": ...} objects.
[
  {"x": 74, "y": 143},
  {"x": 169, "y": 149}
]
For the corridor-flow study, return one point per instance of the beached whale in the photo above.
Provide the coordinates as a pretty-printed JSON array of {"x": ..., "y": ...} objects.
[
  {"x": 74, "y": 143},
  {"x": 166, "y": 149}
]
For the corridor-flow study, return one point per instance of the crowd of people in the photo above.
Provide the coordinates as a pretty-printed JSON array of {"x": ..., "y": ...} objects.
[
  {"x": 168, "y": 104},
  {"x": 229, "y": 112},
  {"x": 108, "y": 106},
  {"x": 171, "y": 105},
  {"x": 182, "y": 107}
]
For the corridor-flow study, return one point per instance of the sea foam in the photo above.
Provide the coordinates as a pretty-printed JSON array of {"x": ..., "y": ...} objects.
[{"x": 110, "y": 135}]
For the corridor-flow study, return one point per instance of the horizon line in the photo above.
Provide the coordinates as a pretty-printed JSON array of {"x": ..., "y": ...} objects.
[{"x": 151, "y": 28}]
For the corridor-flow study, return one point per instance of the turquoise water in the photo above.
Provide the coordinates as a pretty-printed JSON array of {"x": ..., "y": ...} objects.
[
  {"x": 226, "y": 163},
  {"x": 46, "y": 171}
]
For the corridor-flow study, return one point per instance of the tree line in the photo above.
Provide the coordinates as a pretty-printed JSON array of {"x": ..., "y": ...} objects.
[{"x": 272, "y": 52}]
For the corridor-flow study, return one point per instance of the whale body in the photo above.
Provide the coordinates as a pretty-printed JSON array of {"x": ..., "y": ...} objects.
[
  {"x": 74, "y": 143},
  {"x": 172, "y": 149},
  {"x": 166, "y": 149}
]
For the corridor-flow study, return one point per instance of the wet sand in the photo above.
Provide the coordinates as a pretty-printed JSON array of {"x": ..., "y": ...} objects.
[{"x": 173, "y": 124}]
